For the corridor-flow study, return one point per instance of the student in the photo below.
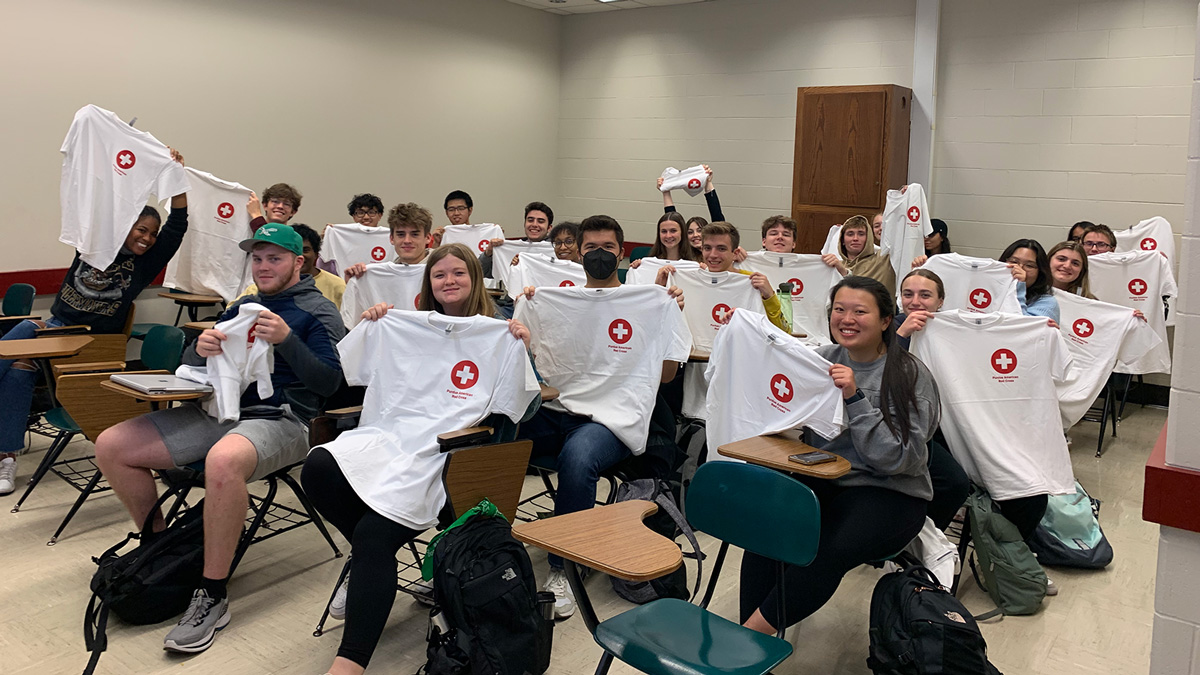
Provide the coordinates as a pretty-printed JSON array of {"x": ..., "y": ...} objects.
[
  {"x": 719, "y": 242},
  {"x": 331, "y": 285},
  {"x": 779, "y": 234},
  {"x": 877, "y": 226},
  {"x": 409, "y": 226},
  {"x": 1031, "y": 268},
  {"x": 892, "y": 409},
  {"x": 304, "y": 328},
  {"x": 603, "y": 418},
  {"x": 363, "y": 481},
  {"x": 669, "y": 241},
  {"x": 279, "y": 204},
  {"x": 921, "y": 294},
  {"x": 1077, "y": 230},
  {"x": 1098, "y": 239},
  {"x": 538, "y": 219},
  {"x": 366, "y": 209},
  {"x": 695, "y": 225},
  {"x": 565, "y": 238},
  {"x": 859, "y": 255},
  {"x": 1069, "y": 268},
  {"x": 458, "y": 206},
  {"x": 100, "y": 299},
  {"x": 938, "y": 241}
]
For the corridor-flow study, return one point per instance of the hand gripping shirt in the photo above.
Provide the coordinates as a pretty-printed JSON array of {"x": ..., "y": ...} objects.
[
  {"x": 351, "y": 243},
  {"x": 603, "y": 349},
  {"x": 109, "y": 171},
  {"x": 811, "y": 281},
  {"x": 502, "y": 257},
  {"x": 647, "y": 270},
  {"x": 209, "y": 260},
  {"x": 394, "y": 283},
  {"x": 541, "y": 271},
  {"x": 1138, "y": 280},
  {"x": 905, "y": 226},
  {"x": 441, "y": 374},
  {"x": 998, "y": 375},
  {"x": 244, "y": 360},
  {"x": 975, "y": 284},
  {"x": 478, "y": 238}
]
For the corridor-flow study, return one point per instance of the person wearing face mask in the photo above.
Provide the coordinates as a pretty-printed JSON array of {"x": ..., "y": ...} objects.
[{"x": 859, "y": 255}]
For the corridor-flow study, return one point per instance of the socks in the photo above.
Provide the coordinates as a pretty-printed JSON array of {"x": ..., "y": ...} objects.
[{"x": 215, "y": 588}]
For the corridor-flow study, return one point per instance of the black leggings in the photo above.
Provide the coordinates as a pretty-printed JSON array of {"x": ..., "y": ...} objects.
[
  {"x": 1024, "y": 512},
  {"x": 858, "y": 525},
  {"x": 374, "y": 542},
  {"x": 951, "y": 486}
]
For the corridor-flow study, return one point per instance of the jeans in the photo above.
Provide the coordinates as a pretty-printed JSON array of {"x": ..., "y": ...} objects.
[
  {"x": 16, "y": 390},
  {"x": 584, "y": 449}
]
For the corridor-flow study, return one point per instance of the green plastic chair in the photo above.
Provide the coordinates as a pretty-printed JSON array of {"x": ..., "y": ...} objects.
[
  {"x": 18, "y": 300},
  {"x": 163, "y": 348},
  {"x": 748, "y": 506},
  {"x": 639, "y": 252}
]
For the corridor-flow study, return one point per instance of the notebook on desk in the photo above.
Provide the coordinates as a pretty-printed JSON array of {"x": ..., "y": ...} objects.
[{"x": 160, "y": 384}]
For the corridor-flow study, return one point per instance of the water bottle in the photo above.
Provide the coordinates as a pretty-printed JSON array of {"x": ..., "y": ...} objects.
[{"x": 785, "y": 303}]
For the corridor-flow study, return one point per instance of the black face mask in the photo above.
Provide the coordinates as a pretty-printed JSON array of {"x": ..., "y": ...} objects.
[{"x": 599, "y": 264}]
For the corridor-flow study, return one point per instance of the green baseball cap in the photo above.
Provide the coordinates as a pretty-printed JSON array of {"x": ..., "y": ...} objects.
[{"x": 281, "y": 235}]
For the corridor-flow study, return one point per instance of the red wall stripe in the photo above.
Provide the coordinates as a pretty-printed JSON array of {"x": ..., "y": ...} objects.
[
  {"x": 1172, "y": 494},
  {"x": 48, "y": 281}
]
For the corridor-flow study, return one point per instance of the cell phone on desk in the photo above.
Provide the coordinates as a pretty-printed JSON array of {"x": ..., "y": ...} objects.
[{"x": 811, "y": 458}]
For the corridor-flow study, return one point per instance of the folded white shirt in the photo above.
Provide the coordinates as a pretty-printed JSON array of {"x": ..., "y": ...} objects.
[{"x": 691, "y": 179}]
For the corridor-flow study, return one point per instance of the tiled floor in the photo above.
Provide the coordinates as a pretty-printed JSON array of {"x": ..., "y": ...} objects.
[{"x": 1099, "y": 623}]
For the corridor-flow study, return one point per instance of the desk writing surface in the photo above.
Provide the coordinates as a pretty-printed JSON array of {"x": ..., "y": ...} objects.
[
  {"x": 44, "y": 347},
  {"x": 153, "y": 398},
  {"x": 548, "y": 393},
  {"x": 772, "y": 452},
  {"x": 191, "y": 298},
  {"x": 200, "y": 325},
  {"x": 698, "y": 357},
  {"x": 611, "y": 538}
]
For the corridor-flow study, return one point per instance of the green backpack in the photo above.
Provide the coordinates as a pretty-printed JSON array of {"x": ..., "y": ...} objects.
[{"x": 1007, "y": 569}]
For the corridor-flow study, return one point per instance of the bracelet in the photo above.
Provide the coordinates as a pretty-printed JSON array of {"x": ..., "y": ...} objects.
[{"x": 856, "y": 397}]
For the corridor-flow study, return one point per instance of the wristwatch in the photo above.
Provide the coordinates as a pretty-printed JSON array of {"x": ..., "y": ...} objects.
[{"x": 856, "y": 397}]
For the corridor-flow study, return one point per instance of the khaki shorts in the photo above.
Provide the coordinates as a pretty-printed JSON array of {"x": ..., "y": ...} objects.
[{"x": 189, "y": 433}]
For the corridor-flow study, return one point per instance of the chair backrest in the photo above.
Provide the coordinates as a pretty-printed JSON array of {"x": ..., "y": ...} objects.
[
  {"x": 162, "y": 348},
  {"x": 102, "y": 348},
  {"x": 756, "y": 509},
  {"x": 95, "y": 408},
  {"x": 639, "y": 252},
  {"x": 18, "y": 300},
  {"x": 495, "y": 472}
]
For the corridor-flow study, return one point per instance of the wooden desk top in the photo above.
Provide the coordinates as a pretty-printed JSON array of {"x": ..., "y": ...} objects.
[
  {"x": 200, "y": 325},
  {"x": 772, "y": 452},
  {"x": 700, "y": 357},
  {"x": 19, "y": 317},
  {"x": 43, "y": 347},
  {"x": 611, "y": 539},
  {"x": 548, "y": 393},
  {"x": 153, "y": 398},
  {"x": 191, "y": 298}
]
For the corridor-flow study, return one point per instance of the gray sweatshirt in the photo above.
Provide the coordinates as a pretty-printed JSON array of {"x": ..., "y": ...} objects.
[{"x": 876, "y": 455}]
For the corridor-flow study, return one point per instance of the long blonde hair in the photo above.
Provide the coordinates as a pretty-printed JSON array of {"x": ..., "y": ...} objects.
[
  {"x": 479, "y": 302},
  {"x": 1080, "y": 285}
]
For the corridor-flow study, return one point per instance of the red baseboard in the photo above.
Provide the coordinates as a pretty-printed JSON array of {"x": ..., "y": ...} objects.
[{"x": 1172, "y": 494}]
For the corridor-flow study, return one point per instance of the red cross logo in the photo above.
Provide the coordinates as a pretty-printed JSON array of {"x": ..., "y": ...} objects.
[
  {"x": 1083, "y": 328},
  {"x": 483, "y": 245},
  {"x": 1137, "y": 287},
  {"x": 797, "y": 286},
  {"x": 693, "y": 183},
  {"x": 721, "y": 312},
  {"x": 225, "y": 210},
  {"x": 565, "y": 283},
  {"x": 1004, "y": 361},
  {"x": 464, "y": 375},
  {"x": 914, "y": 213},
  {"x": 781, "y": 388},
  {"x": 1148, "y": 244},
  {"x": 980, "y": 298},
  {"x": 126, "y": 159},
  {"x": 417, "y": 301},
  {"x": 620, "y": 331},
  {"x": 378, "y": 253}
]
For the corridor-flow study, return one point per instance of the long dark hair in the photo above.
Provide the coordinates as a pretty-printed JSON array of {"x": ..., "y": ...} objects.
[
  {"x": 1044, "y": 281},
  {"x": 897, "y": 392},
  {"x": 686, "y": 250}
]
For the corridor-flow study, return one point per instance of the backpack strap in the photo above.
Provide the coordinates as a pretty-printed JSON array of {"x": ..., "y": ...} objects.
[
  {"x": 484, "y": 508},
  {"x": 665, "y": 502},
  {"x": 979, "y": 582},
  {"x": 96, "y": 641}
]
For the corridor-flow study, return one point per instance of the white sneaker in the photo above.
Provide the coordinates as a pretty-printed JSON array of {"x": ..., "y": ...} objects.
[
  {"x": 337, "y": 606},
  {"x": 564, "y": 600},
  {"x": 1051, "y": 587},
  {"x": 8, "y": 475}
]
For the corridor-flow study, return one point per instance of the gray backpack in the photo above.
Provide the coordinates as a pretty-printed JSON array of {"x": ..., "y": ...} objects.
[
  {"x": 1007, "y": 569},
  {"x": 669, "y": 522}
]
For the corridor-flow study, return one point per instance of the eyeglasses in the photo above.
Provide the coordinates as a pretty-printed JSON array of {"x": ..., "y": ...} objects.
[
  {"x": 1099, "y": 245},
  {"x": 564, "y": 243},
  {"x": 1029, "y": 266},
  {"x": 280, "y": 202},
  {"x": 456, "y": 209},
  {"x": 362, "y": 213}
]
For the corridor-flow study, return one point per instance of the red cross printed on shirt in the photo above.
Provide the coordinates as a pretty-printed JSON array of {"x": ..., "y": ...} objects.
[
  {"x": 417, "y": 301},
  {"x": 914, "y": 213},
  {"x": 1148, "y": 244},
  {"x": 620, "y": 331},
  {"x": 378, "y": 253},
  {"x": 464, "y": 374},
  {"x": 721, "y": 312},
  {"x": 565, "y": 283},
  {"x": 797, "y": 286},
  {"x": 126, "y": 159},
  {"x": 224, "y": 210},
  {"x": 1137, "y": 287},
  {"x": 1004, "y": 361},
  {"x": 483, "y": 245},
  {"x": 693, "y": 183},
  {"x": 1083, "y": 328},
  {"x": 781, "y": 388},
  {"x": 980, "y": 298}
]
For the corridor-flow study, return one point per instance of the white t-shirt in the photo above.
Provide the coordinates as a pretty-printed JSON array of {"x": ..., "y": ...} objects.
[
  {"x": 478, "y": 238},
  {"x": 209, "y": 260},
  {"x": 393, "y": 283},
  {"x": 351, "y": 243},
  {"x": 647, "y": 270},
  {"x": 997, "y": 375},
  {"x": 1152, "y": 234},
  {"x": 109, "y": 171},
  {"x": 1099, "y": 334},
  {"x": 1138, "y": 280},
  {"x": 905, "y": 226},
  {"x": 603, "y": 349},
  {"x": 243, "y": 360},
  {"x": 502, "y": 257},
  {"x": 763, "y": 381},
  {"x": 442, "y": 374},
  {"x": 691, "y": 179},
  {"x": 811, "y": 280},
  {"x": 542, "y": 271},
  {"x": 710, "y": 297},
  {"x": 833, "y": 240},
  {"x": 974, "y": 284}
]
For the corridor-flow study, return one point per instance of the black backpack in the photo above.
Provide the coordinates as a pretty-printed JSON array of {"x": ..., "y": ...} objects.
[
  {"x": 670, "y": 523},
  {"x": 150, "y": 584},
  {"x": 918, "y": 628},
  {"x": 485, "y": 590}
]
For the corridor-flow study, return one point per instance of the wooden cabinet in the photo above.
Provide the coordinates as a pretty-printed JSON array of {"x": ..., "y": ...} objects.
[{"x": 851, "y": 148}]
